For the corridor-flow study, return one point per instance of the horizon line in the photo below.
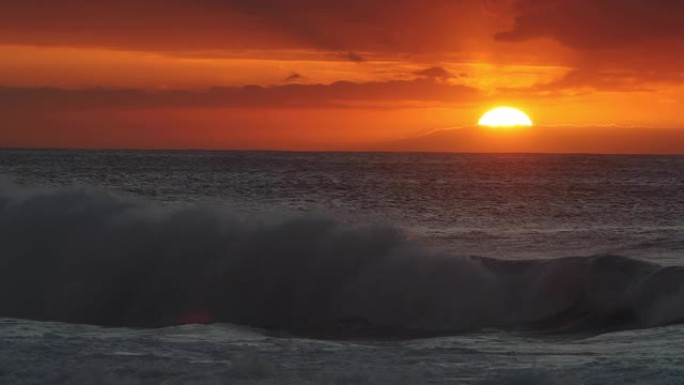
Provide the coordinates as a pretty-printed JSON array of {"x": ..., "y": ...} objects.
[{"x": 266, "y": 150}]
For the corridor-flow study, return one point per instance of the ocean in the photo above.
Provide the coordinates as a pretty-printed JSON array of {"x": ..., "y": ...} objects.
[{"x": 134, "y": 267}]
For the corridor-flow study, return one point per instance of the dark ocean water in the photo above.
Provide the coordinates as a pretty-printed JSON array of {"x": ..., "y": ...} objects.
[
  {"x": 503, "y": 206},
  {"x": 404, "y": 268}
]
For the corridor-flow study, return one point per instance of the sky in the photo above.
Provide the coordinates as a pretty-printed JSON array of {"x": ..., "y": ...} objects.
[{"x": 596, "y": 76}]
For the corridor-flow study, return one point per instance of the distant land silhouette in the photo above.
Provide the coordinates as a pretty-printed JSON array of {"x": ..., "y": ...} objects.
[{"x": 545, "y": 139}]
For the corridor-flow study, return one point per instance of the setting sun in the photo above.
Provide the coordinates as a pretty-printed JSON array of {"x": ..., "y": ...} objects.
[{"x": 505, "y": 117}]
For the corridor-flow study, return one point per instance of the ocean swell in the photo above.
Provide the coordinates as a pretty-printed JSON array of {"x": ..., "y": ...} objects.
[{"x": 77, "y": 255}]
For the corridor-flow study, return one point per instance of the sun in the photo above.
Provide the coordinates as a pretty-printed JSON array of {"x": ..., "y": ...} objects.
[{"x": 505, "y": 117}]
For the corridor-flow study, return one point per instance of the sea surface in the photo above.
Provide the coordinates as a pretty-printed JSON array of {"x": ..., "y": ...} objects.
[{"x": 130, "y": 267}]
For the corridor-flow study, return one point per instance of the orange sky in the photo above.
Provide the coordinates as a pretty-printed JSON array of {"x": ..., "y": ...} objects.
[{"x": 595, "y": 75}]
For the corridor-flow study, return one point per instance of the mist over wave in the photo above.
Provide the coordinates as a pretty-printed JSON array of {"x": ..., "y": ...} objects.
[{"x": 84, "y": 256}]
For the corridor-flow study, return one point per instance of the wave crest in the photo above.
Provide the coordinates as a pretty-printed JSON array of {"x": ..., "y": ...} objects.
[{"x": 77, "y": 255}]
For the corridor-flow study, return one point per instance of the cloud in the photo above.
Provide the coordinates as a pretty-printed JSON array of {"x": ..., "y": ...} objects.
[
  {"x": 594, "y": 24},
  {"x": 294, "y": 77},
  {"x": 354, "y": 57},
  {"x": 619, "y": 45},
  {"x": 435, "y": 73},
  {"x": 347, "y": 27},
  {"x": 288, "y": 117},
  {"x": 608, "y": 36},
  {"x": 588, "y": 79},
  {"x": 338, "y": 94}
]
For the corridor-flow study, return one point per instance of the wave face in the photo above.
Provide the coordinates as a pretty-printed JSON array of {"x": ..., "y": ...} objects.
[{"x": 76, "y": 255}]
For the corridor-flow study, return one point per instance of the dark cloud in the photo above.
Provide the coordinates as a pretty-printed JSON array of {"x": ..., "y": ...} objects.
[
  {"x": 354, "y": 57},
  {"x": 338, "y": 94},
  {"x": 593, "y": 24},
  {"x": 293, "y": 77},
  {"x": 620, "y": 45},
  {"x": 348, "y": 27},
  {"x": 586, "y": 79},
  {"x": 434, "y": 73},
  {"x": 619, "y": 80}
]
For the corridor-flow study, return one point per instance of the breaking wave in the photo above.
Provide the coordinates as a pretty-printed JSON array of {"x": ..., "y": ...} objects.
[{"x": 77, "y": 255}]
